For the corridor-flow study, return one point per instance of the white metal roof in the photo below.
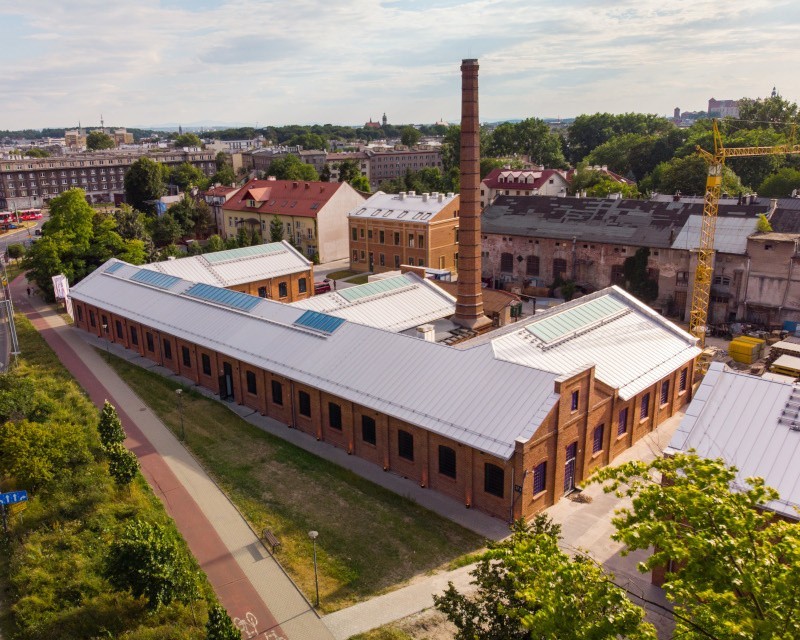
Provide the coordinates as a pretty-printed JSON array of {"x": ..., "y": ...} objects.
[
  {"x": 408, "y": 207},
  {"x": 393, "y": 304},
  {"x": 485, "y": 395},
  {"x": 730, "y": 234},
  {"x": 236, "y": 266},
  {"x": 737, "y": 417},
  {"x": 630, "y": 345}
]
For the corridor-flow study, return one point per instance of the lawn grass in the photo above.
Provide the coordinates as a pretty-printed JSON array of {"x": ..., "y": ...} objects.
[
  {"x": 341, "y": 275},
  {"x": 362, "y": 279},
  {"x": 370, "y": 539}
]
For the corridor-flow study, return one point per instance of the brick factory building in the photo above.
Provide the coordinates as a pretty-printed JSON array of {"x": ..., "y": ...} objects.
[{"x": 389, "y": 230}]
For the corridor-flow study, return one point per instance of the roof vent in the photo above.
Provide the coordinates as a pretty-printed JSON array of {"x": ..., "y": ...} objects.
[
  {"x": 308, "y": 186},
  {"x": 412, "y": 193},
  {"x": 425, "y": 197},
  {"x": 294, "y": 185},
  {"x": 441, "y": 197},
  {"x": 402, "y": 195},
  {"x": 427, "y": 332},
  {"x": 450, "y": 194}
]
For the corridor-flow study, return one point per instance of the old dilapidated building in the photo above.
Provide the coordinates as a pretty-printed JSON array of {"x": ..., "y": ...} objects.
[{"x": 537, "y": 240}]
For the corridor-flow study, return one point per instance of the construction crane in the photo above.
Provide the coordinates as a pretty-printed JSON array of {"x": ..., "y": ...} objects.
[{"x": 705, "y": 253}]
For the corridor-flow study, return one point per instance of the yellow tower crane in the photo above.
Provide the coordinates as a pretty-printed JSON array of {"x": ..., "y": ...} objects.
[{"x": 705, "y": 253}]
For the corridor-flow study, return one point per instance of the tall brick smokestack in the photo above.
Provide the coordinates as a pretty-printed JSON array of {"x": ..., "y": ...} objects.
[{"x": 469, "y": 303}]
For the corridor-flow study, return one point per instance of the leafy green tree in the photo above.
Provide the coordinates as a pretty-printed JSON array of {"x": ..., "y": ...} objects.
[
  {"x": 220, "y": 626},
  {"x": 292, "y": 168},
  {"x": 762, "y": 224},
  {"x": 16, "y": 251},
  {"x": 186, "y": 176},
  {"x": 167, "y": 230},
  {"x": 243, "y": 236},
  {"x": 688, "y": 176},
  {"x": 131, "y": 223},
  {"x": 451, "y": 147},
  {"x": 531, "y": 138},
  {"x": 528, "y": 588},
  {"x": 637, "y": 278},
  {"x": 348, "y": 171},
  {"x": 224, "y": 176},
  {"x": 781, "y": 184},
  {"x": 36, "y": 152},
  {"x": 222, "y": 160},
  {"x": 734, "y": 564},
  {"x": 275, "y": 229},
  {"x": 148, "y": 561},
  {"x": 97, "y": 140},
  {"x": 187, "y": 140},
  {"x": 122, "y": 464},
  {"x": 589, "y": 131},
  {"x": 214, "y": 244},
  {"x": 144, "y": 181},
  {"x": 765, "y": 112},
  {"x": 307, "y": 141},
  {"x": 360, "y": 183},
  {"x": 410, "y": 136},
  {"x": 109, "y": 427},
  {"x": 37, "y": 453}
]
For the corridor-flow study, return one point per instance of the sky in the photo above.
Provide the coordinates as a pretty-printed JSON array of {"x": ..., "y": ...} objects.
[{"x": 277, "y": 62}]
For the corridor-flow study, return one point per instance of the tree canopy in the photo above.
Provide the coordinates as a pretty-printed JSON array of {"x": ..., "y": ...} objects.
[
  {"x": 531, "y": 138},
  {"x": 186, "y": 176},
  {"x": 528, "y": 588},
  {"x": 187, "y": 140},
  {"x": 292, "y": 168},
  {"x": 410, "y": 136},
  {"x": 779, "y": 185},
  {"x": 733, "y": 566},
  {"x": 145, "y": 181},
  {"x": 97, "y": 140}
]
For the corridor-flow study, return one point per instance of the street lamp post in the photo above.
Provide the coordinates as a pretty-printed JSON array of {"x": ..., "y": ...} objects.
[
  {"x": 180, "y": 411},
  {"x": 108, "y": 352},
  {"x": 313, "y": 535}
]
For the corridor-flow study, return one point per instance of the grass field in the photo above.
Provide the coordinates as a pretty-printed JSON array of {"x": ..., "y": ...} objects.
[
  {"x": 341, "y": 275},
  {"x": 362, "y": 279},
  {"x": 370, "y": 539}
]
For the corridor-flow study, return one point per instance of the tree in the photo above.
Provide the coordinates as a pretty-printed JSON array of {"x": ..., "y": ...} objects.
[
  {"x": 36, "y": 152},
  {"x": 637, "y": 278},
  {"x": 97, "y": 140},
  {"x": 451, "y": 147},
  {"x": 348, "y": 170},
  {"x": 765, "y": 112},
  {"x": 531, "y": 138},
  {"x": 214, "y": 244},
  {"x": 589, "y": 131},
  {"x": 734, "y": 565},
  {"x": 144, "y": 181},
  {"x": 779, "y": 185},
  {"x": 688, "y": 175},
  {"x": 186, "y": 176},
  {"x": 292, "y": 168},
  {"x": 122, "y": 464},
  {"x": 528, "y": 588},
  {"x": 109, "y": 427},
  {"x": 360, "y": 183},
  {"x": 275, "y": 229},
  {"x": 187, "y": 140},
  {"x": 409, "y": 136},
  {"x": 220, "y": 626},
  {"x": 167, "y": 230},
  {"x": 762, "y": 224},
  {"x": 16, "y": 251},
  {"x": 147, "y": 560},
  {"x": 224, "y": 176},
  {"x": 598, "y": 184}
]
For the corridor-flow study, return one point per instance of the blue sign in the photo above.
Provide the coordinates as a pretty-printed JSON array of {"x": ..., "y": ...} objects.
[{"x": 13, "y": 497}]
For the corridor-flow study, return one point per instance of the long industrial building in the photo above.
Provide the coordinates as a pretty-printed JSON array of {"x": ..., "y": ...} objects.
[{"x": 506, "y": 423}]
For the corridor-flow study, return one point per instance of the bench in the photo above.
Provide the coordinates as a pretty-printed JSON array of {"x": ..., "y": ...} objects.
[{"x": 271, "y": 540}]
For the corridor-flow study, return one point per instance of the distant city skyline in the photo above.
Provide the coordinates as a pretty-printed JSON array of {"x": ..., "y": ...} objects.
[{"x": 313, "y": 62}]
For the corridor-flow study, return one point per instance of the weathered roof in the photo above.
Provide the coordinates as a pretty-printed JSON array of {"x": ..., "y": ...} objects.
[
  {"x": 642, "y": 223},
  {"x": 479, "y": 395},
  {"x": 393, "y": 304},
  {"x": 409, "y": 207},
  {"x": 730, "y": 234},
  {"x": 235, "y": 266},
  {"x": 630, "y": 345},
  {"x": 740, "y": 418}
]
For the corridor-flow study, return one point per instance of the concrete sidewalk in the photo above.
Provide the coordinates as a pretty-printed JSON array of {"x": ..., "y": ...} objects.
[{"x": 249, "y": 582}]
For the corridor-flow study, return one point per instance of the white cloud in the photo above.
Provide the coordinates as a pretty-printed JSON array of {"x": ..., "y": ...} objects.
[{"x": 280, "y": 62}]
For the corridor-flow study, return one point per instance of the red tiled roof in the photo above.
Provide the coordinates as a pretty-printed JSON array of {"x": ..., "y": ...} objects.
[
  {"x": 219, "y": 191},
  {"x": 540, "y": 177},
  {"x": 288, "y": 197}
]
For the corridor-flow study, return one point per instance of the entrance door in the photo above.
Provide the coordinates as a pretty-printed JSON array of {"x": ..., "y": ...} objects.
[
  {"x": 371, "y": 261},
  {"x": 226, "y": 382},
  {"x": 569, "y": 468}
]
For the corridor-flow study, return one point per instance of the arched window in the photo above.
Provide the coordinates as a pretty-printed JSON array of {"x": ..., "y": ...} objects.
[
  {"x": 532, "y": 266},
  {"x": 506, "y": 263}
]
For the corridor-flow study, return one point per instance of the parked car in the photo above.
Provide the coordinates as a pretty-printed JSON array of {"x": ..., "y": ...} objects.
[
  {"x": 37, "y": 232},
  {"x": 322, "y": 287}
]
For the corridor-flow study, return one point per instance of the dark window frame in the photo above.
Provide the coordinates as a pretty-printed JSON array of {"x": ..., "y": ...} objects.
[
  {"x": 622, "y": 421},
  {"x": 683, "y": 379},
  {"x": 369, "y": 430},
  {"x": 277, "y": 393},
  {"x": 118, "y": 327},
  {"x": 664, "y": 392},
  {"x": 494, "y": 480},
  {"x": 575, "y": 401},
  {"x": 405, "y": 445},
  {"x": 302, "y": 285},
  {"x": 335, "y": 416},
  {"x": 283, "y": 290},
  {"x": 166, "y": 347},
  {"x": 205, "y": 364},
  {"x": 251, "y": 382},
  {"x": 597, "y": 438},
  {"x": 447, "y": 461},
  {"x": 540, "y": 478},
  {"x": 186, "y": 356},
  {"x": 134, "y": 336},
  {"x": 644, "y": 410},
  {"x": 150, "y": 341},
  {"x": 304, "y": 403}
]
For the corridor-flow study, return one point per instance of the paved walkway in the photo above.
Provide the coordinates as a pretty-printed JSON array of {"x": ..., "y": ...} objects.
[{"x": 249, "y": 583}]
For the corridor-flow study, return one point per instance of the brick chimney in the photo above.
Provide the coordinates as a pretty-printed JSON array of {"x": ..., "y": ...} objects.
[{"x": 469, "y": 300}]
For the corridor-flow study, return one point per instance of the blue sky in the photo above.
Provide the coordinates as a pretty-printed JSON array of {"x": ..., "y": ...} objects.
[{"x": 148, "y": 62}]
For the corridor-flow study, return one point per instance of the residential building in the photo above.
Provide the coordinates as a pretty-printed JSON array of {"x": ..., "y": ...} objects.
[
  {"x": 528, "y": 182},
  {"x": 274, "y": 270},
  {"x": 506, "y": 423},
  {"x": 389, "y": 230},
  {"x": 260, "y": 160},
  {"x": 535, "y": 240},
  {"x": 313, "y": 214},
  {"x": 333, "y": 160},
  {"x": 121, "y": 136},
  {"x": 394, "y": 163},
  {"x": 215, "y": 197},
  {"x": 31, "y": 182},
  {"x": 75, "y": 139},
  {"x": 772, "y": 279}
]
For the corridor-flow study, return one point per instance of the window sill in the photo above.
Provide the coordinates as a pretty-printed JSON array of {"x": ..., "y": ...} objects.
[
  {"x": 643, "y": 420},
  {"x": 536, "y": 496},
  {"x": 681, "y": 393},
  {"x": 620, "y": 436},
  {"x": 597, "y": 455},
  {"x": 661, "y": 406}
]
